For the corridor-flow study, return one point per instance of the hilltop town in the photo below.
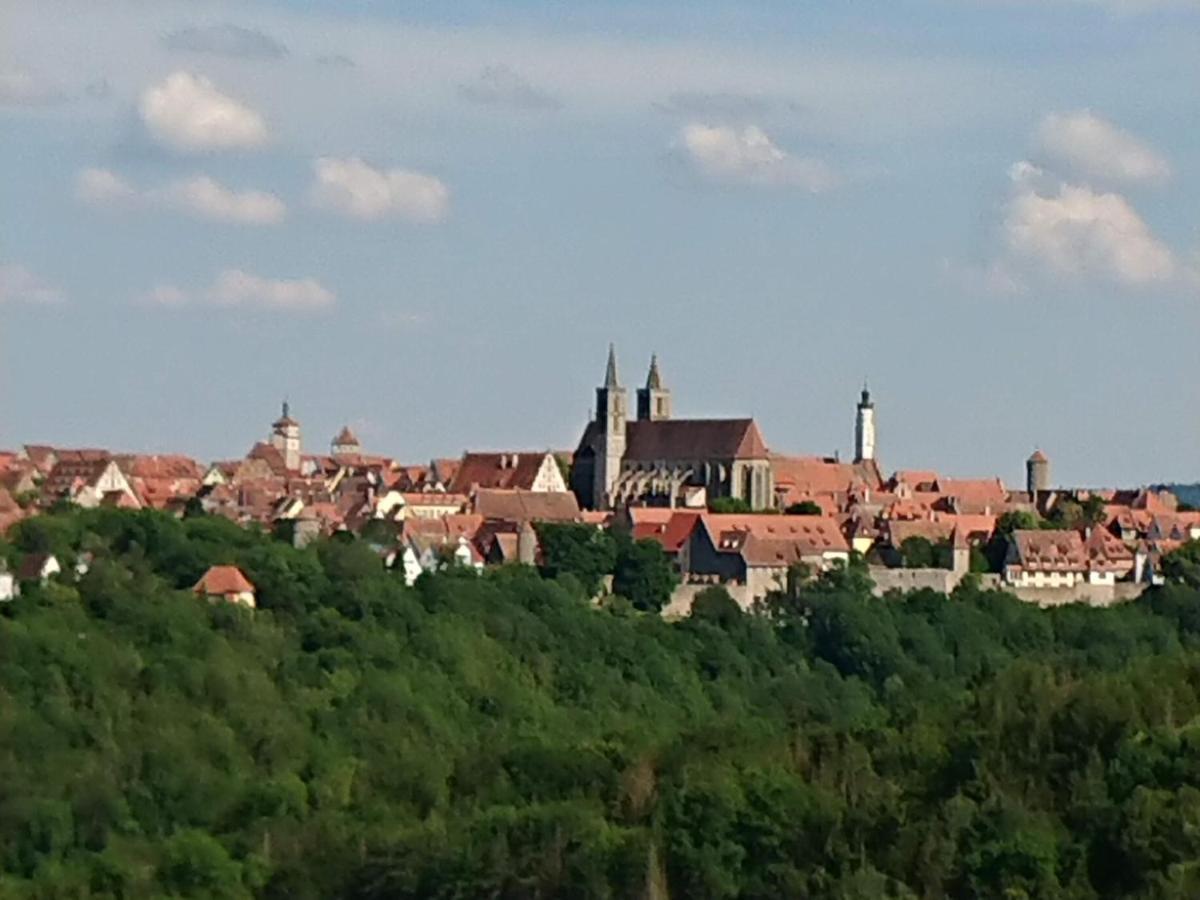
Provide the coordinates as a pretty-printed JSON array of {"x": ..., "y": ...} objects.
[{"x": 725, "y": 507}]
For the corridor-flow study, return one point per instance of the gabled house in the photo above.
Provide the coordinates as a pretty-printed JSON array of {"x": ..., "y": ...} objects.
[
  {"x": 227, "y": 584},
  {"x": 513, "y": 470},
  {"x": 38, "y": 567}
]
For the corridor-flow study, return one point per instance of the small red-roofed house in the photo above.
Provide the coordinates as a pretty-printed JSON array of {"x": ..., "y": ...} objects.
[{"x": 226, "y": 583}]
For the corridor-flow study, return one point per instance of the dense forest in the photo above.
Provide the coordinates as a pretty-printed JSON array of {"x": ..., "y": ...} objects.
[{"x": 497, "y": 735}]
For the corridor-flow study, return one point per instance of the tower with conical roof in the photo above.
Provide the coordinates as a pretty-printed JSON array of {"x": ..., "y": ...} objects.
[
  {"x": 653, "y": 400},
  {"x": 864, "y": 427},
  {"x": 611, "y": 415}
]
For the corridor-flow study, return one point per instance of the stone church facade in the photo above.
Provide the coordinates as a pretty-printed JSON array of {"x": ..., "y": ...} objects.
[{"x": 657, "y": 460}]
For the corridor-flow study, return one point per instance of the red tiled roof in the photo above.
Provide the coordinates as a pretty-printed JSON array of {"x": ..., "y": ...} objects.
[
  {"x": 527, "y": 506},
  {"x": 223, "y": 581},
  {"x": 509, "y": 470}
]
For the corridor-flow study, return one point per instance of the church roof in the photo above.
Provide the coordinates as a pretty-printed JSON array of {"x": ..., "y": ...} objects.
[
  {"x": 346, "y": 436},
  {"x": 694, "y": 439}
]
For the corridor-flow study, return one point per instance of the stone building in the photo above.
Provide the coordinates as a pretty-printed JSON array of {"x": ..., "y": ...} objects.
[{"x": 658, "y": 460}]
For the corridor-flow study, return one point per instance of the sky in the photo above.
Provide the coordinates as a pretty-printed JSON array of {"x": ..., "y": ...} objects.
[{"x": 429, "y": 221}]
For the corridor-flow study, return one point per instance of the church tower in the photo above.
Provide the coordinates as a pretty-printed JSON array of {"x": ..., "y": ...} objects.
[
  {"x": 864, "y": 428},
  {"x": 611, "y": 415},
  {"x": 285, "y": 437},
  {"x": 654, "y": 400}
]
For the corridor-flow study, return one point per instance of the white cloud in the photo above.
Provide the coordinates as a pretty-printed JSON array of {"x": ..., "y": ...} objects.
[
  {"x": 19, "y": 87},
  {"x": 235, "y": 287},
  {"x": 1096, "y": 148},
  {"x": 199, "y": 196},
  {"x": 166, "y": 295},
  {"x": 238, "y": 288},
  {"x": 1075, "y": 231},
  {"x": 186, "y": 112},
  {"x": 203, "y": 196},
  {"x": 502, "y": 86},
  {"x": 19, "y": 285},
  {"x": 749, "y": 156},
  {"x": 226, "y": 39},
  {"x": 100, "y": 186},
  {"x": 354, "y": 188}
]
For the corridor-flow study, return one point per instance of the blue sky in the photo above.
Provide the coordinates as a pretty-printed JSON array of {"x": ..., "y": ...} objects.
[{"x": 429, "y": 220}]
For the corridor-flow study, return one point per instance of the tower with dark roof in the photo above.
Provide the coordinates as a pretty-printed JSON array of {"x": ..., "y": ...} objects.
[
  {"x": 285, "y": 437},
  {"x": 653, "y": 400},
  {"x": 346, "y": 443},
  {"x": 864, "y": 427},
  {"x": 612, "y": 413}
]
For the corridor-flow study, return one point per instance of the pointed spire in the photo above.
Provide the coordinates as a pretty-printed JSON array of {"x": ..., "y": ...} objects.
[
  {"x": 865, "y": 402},
  {"x": 654, "y": 379},
  {"x": 610, "y": 372}
]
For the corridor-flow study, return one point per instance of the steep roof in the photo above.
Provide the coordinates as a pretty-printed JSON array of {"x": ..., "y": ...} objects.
[
  {"x": 223, "y": 580},
  {"x": 526, "y": 506},
  {"x": 773, "y": 540},
  {"x": 816, "y": 474},
  {"x": 694, "y": 439},
  {"x": 1053, "y": 550},
  {"x": 346, "y": 436},
  {"x": 511, "y": 470}
]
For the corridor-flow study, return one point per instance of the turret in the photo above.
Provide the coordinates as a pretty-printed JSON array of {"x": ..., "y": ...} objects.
[
  {"x": 653, "y": 400},
  {"x": 1037, "y": 473},
  {"x": 864, "y": 428}
]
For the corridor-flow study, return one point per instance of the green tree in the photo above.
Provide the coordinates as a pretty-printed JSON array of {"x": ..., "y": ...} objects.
[
  {"x": 584, "y": 551},
  {"x": 643, "y": 573}
]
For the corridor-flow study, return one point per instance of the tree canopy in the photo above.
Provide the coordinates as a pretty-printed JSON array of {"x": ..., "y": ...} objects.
[{"x": 499, "y": 735}]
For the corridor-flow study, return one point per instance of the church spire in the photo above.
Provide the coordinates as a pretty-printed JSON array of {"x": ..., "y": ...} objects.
[
  {"x": 610, "y": 372},
  {"x": 653, "y": 379}
]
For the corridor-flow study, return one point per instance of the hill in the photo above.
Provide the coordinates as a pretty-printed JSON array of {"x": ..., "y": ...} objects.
[{"x": 499, "y": 736}]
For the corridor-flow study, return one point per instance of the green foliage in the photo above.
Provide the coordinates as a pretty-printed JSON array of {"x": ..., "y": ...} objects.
[
  {"x": 584, "y": 551},
  {"x": 725, "y": 505},
  {"x": 643, "y": 573},
  {"x": 1183, "y": 565},
  {"x": 494, "y": 736}
]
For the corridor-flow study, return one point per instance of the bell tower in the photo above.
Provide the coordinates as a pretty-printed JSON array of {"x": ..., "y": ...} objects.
[
  {"x": 654, "y": 400},
  {"x": 285, "y": 437},
  {"x": 611, "y": 415}
]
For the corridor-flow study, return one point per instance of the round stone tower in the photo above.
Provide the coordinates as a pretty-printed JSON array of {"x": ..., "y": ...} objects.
[{"x": 1037, "y": 473}]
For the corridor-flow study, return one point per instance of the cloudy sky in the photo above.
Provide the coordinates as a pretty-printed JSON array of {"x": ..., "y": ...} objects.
[{"x": 430, "y": 223}]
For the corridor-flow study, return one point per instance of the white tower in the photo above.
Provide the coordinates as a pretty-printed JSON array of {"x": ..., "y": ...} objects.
[
  {"x": 864, "y": 428},
  {"x": 285, "y": 437}
]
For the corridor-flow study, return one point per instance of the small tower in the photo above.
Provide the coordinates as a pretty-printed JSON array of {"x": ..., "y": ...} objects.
[
  {"x": 864, "y": 428},
  {"x": 611, "y": 415},
  {"x": 1037, "y": 473},
  {"x": 346, "y": 443},
  {"x": 654, "y": 400},
  {"x": 285, "y": 437}
]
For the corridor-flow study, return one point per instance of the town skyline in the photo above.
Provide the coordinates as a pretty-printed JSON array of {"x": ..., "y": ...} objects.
[{"x": 430, "y": 223}]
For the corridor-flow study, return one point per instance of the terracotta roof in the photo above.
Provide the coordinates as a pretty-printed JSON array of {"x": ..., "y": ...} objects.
[
  {"x": 510, "y": 470},
  {"x": 526, "y": 506},
  {"x": 223, "y": 580},
  {"x": 773, "y": 540},
  {"x": 1038, "y": 456},
  {"x": 809, "y": 475},
  {"x": 694, "y": 439},
  {"x": 672, "y": 533},
  {"x": 1055, "y": 550},
  {"x": 345, "y": 436}
]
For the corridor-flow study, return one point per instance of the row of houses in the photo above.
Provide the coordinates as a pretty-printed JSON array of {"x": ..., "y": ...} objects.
[{"x": 481, "y": 509}]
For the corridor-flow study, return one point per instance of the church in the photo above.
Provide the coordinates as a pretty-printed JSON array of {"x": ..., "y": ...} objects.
[{"x": 657, "y": 460}]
